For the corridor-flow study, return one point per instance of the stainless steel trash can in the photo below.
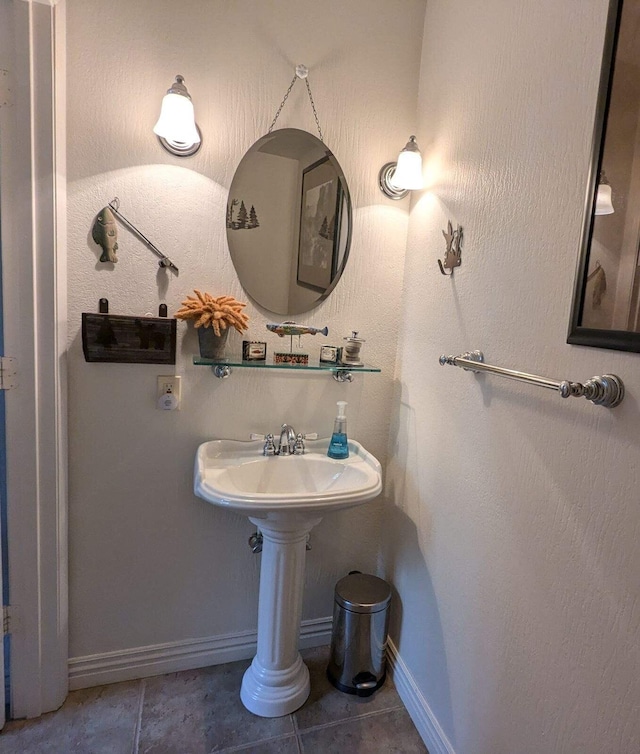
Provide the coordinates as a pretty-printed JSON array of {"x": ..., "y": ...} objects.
[{"x": 358, "y": 663}]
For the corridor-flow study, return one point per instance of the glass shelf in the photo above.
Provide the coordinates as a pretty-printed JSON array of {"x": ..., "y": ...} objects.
[{"x": 223, "y": 367}]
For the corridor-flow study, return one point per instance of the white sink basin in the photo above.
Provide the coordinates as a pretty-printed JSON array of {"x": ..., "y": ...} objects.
[
  {"x": 235, "y": 475},
  {"x": 286, "y": 496}
]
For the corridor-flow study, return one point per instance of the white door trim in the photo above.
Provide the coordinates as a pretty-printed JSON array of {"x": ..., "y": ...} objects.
[{"x": 34, "y": 288}]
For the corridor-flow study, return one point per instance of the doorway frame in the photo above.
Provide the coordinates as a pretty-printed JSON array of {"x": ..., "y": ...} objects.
[{"x": 34, "y": 288}]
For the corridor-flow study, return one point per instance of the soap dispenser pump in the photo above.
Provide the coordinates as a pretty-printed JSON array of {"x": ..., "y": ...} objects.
[{"x": 339, "y": 445}]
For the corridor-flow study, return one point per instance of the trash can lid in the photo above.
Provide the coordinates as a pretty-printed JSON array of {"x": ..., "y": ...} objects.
[{"x": 363, "y": 593}]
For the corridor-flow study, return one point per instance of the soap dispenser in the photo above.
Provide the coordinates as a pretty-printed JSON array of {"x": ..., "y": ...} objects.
[{"x": 339, "y": 445}]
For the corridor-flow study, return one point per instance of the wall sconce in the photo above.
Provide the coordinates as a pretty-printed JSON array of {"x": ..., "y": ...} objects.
[
  {"x": 604, "y": 205},
  {"x": 176, "y": 128},
  {"x": 396, "y": 179}
]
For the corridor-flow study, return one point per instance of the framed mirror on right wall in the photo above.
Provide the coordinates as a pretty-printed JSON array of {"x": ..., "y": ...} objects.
[{"x": 606, "y": 301}]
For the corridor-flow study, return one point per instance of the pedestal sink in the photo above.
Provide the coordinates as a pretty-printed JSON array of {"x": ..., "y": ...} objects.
[{"x": 285, "y": 496}]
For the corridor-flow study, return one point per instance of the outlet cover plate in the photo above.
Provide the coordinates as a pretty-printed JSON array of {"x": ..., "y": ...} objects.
[{"x": 169, "y": 383}]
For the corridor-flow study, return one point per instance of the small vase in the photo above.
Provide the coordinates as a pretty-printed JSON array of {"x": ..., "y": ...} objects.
[{"x": 211, "y": 345}]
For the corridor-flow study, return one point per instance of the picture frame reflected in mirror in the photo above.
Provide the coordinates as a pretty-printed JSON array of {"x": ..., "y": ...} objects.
[{"x": 319, "y": 238}]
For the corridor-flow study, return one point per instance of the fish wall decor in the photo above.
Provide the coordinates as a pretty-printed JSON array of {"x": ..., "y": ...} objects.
[
  {"x": 291, "y": 328},
  {"x": 105, "y": 234}
]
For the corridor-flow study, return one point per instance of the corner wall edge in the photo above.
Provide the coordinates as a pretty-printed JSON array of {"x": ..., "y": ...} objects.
[{"x": 417, "y": 706}]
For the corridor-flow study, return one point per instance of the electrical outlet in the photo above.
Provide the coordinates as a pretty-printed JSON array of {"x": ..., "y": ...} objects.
[{"x": 168, "y": 385}]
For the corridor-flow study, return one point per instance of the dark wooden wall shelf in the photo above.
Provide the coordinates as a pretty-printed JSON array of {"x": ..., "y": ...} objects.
[{"x": 128, "y": 339}]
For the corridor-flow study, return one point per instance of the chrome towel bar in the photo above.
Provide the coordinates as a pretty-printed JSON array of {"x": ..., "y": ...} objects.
[{"x": 607, "y": 391}]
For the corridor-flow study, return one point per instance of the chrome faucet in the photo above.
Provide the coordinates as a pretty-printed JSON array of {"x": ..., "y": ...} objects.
[
  {"x": 287, "y": 440},
  {"x": 290, "y": 443}
]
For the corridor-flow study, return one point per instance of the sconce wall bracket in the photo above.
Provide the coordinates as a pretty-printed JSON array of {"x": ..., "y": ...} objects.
[
  {"x": 385, "y": 182},
  {"x": 180, "y": 149}
]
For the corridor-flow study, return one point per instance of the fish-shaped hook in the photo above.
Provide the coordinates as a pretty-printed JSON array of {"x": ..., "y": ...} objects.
[{"x": 452, "y": 256}]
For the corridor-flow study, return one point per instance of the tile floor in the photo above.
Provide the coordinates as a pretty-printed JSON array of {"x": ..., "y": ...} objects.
[{"x": 199, "y": 712}]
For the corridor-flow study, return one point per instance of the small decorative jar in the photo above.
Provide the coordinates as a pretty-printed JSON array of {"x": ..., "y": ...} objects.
[{"x": 351, "y": 350}]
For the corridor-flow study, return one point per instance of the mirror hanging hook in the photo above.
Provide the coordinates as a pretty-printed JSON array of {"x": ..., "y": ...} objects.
[{"x": 302, "y": 72}]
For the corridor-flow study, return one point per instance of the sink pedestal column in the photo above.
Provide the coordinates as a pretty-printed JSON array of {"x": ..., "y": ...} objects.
[{"x": 277, "y": 681}]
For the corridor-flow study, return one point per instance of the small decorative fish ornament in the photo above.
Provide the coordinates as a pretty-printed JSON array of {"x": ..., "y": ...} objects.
[
  {"x": 105, "y": 234},
  {"x": 291, "y": 328}
]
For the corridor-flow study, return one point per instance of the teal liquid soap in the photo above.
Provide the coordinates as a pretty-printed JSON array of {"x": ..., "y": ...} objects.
[{"x": 339, "y": 445}]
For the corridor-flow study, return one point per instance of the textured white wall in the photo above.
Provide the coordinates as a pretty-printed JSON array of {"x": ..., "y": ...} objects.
[
  {"x": 516, "y": 526},
  {"x": 150, "y": 562}
]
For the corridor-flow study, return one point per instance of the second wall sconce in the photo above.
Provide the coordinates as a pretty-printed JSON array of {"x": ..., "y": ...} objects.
[
  {"x": 176, "y": 128},
  {"x": 396, "y": 179},
  {"x": 604, "y": 205}
]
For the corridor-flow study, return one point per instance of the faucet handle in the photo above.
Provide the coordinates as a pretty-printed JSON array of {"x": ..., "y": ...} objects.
[
  {"x": 269, "y": 448},
  {"x": 299, "y": 448}
]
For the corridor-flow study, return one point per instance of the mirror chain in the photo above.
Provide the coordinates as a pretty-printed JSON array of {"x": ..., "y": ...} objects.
[{"x": 313, "y": 106}]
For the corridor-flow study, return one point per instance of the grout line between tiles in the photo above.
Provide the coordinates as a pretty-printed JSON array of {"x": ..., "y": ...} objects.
[
  {"x": 296, "y": 730},
  {"x": 248, "y": 746},
  {"x": 363, "y": 716},
  {"x": 138, "y": 728}
]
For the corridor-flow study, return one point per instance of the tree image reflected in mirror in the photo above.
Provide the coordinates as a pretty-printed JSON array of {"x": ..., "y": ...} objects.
[{"x": 289, "y": 221}]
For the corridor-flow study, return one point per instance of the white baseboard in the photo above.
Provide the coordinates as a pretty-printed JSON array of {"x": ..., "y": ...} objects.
[
  {"x": 423, "y": 718},
  {"x": 142, "y": 662}
]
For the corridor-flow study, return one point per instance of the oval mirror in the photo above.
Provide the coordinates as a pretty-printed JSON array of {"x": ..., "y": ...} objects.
[{"x": 289, "y": 221}]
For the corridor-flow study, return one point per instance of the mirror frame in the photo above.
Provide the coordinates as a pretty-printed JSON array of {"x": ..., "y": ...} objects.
[{"x": 620, "y": 340}]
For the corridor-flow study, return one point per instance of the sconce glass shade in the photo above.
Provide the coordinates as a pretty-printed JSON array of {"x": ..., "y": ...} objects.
[
  {"x": 408, "y": 174},
  {"x": 604, "y": 205},
  {"x": 396, "y": 179},
  {"x": 176, "y": 128}
]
